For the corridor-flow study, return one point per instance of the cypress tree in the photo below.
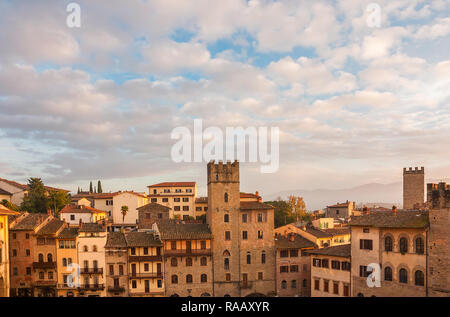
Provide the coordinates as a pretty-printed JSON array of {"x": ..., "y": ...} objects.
[
  {"x": 91, "y": 189},
  {"x": 99, "y": 187}
]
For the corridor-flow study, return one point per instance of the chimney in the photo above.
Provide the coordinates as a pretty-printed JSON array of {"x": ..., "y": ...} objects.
[{"x": 394, "y": 209}]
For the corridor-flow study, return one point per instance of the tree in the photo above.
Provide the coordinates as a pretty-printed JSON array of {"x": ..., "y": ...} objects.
[
  {"x": 57, "y": 199},
  {"x": 35, "y": 201},
  {"x": 282, "y": 212},
  {"x": 99, "y": 187},
  {"x": 298, "y": 207},
  {"x": 91, "y": 189},
  {"x": 124, "y": 211},
  {"x": 9, "y": 205},
  {"x": 202, "y": 218}
]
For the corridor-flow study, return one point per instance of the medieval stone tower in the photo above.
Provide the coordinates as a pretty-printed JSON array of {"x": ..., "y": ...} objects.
[
  {"x": 413, "y": 187},
  {"x": 223, "y": 218},
  {"x": 243, "y": 244},
  {"x": 438, "y": 199}
]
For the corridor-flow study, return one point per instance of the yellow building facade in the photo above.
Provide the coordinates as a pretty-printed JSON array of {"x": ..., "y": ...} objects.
[{"x": 4, "y": 250}]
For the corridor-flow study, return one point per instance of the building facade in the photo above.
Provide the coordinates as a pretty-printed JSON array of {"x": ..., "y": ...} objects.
[
  {"x": 243, "y": 241},
  {"x": 341, "y": 210},
  {"x": 397, "y": 242},
  {"x": 116, "y": 259},
  {"x": 438, "y": 198},
  {"x": 413, "y": 188},
  {"x": 91, "y": 257},
  {"x": 74, "y": 214},
  {"x": 151, "y": 213},
  {"x": 67, "y": 262},
  {"x": 145, "y": 264},
  {"x": 4, "y": 249},
  {"x": 293, "y": 265},
  {"x": 330, "y": 271},
  {"x": 187, "y": 258}
]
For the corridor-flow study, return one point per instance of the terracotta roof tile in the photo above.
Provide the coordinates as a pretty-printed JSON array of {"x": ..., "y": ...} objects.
[
  {"x": 254, "y": 205},
  {"x": 339, "y": 250},
  {"x": 178, "y": 230},
  {"x": 116, "y": 240},
  {"x": 153, "y": 207},
  {"x": 30, "y": 222},
  {"x": 389, "y": 219},
  {"x": 25, "y": 187},
  {"x": 91, "y": 227},
  {"x": 6, "y": 211},
  {"x": 51, "y": 228},
  {"x": 68, "y": 233},
  {"x": 298, "y": 243},
  {"x": 79, "y": 209},
  {"x": 141, "y": 239},
  {"x": 173, "y": 184}
]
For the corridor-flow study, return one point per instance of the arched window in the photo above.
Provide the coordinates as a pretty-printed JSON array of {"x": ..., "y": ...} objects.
[
  {"x": 403, "y": 245},
  {"x": 204, "y": 278},
  {"x": 189, "y": 279},
  {"x": 188, "y": 261},
  {"x": 419, "y": 278},
  {"x": 41, "y": 275},
  {"x": 174, "y": 279},
  {"x": 205, "y": 295},
  {"x": 85, "y": 248},
  {"x": 226, "y": 218},
  {"x": 249, "y": 258},
  {"x": 64, "y": 262},
  {"x": 419, "y": 246},
  {"x": 69, "y": 261},
  {"x": 41, "y": 257},
  {"x": 203, "y": 261},
  {"x": 226, "y": 253},
  {"x": 283, "y": 284},
  {"x": 294, "y": 284},
  {"x": 49, "y": 257},
  {"x": 403, "y": 276},
  {"x": 226, "y": 264},
  {"x": 225, "y": 197},
  {"x": 173, "y": 262},
  {"x": 388, "y": 244},
  {"x": 263, "y": 257},
  {"x": 387, "y": 274},
  {"x": 94, "y": 248},
  {"x": 304, "y": 282}
]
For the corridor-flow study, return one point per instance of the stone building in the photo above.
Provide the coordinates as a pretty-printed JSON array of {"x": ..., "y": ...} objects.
[
  {"x": 330, "y": 271},
  {"x": 187, "y": 258},
  {"x": 397, "y": 241},
  {"x": 5, "y": 213},
  {"x": 22, "y": 241},
  {"x": 91, "y": 255},
  {"x": 116, "y": 260},
  {"x": 44, "y": 265},
  {"x": 243, "y": 242},
  {"x": 67, "y": 262},
  {"x": 150, "y": 213},
  {"x": 293, "y": 265},
  {"x": 73, "y": 214},
  {"x": 341, "y": 210},
  {"x": 145, "y": 265},
  {"x": 413, "y": 188},
  {"x": 438, "y": 198}
]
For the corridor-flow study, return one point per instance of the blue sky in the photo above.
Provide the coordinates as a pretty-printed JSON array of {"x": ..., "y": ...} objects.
[{"x": 354, "y": 103}]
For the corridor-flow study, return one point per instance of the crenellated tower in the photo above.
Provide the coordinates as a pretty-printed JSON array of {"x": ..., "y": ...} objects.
[{"x": 413, "y": 188}]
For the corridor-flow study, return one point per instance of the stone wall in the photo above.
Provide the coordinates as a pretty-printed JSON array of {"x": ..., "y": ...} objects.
[{"x": 413, "y": 187}]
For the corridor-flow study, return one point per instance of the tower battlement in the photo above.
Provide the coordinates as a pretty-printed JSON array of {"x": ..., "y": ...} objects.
[
  {"x": 414, "y": 170},
  {"x": 438, "y": 195},
  {"x": 223, "y": 172}
]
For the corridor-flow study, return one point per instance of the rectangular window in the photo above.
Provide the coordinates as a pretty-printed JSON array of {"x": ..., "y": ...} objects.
[
  {"x": 244, "y": 218},
  {"x": 260, "y": 217},
  {"x": 198, "y": 208},
  {"x": 244, "y": 235},
  {"x": 176, "y": 208},
  {"x": 185, "y": 199},
  {"x": 284, "y": 253},
  {"x": 228, "y": 277},
  {"x": 28, "y": 252},
  {"x": 145, "y": 251},
  {"x": 345, "y": 266},
  {"x": 227, "y": 235},
  {"x": 366, "y": 230},
  {"x": 336, "y": 265},
  {"x": 336, "y": 288},
  {"x": 121, "y": 269},
  {"x": 346, "y": 291},
  {"x": 189, "y": 190},
  {"x": 173, "y": 245},
  {"x": 159, "y": 283},
  {"x": 72, "y": 217},
  {"x": 154, "y": 200},
  {"x": 27, "y": 236},
  {"x": 165, "y": 200},
  {"x": 14, "y": 252},
  {"x": 177, "y": 199},
  {"x": 317, "y": 285},
  {"x": 260, "y": 234},
  {"x": 294, "y": 268},
  {"x": 284, "y": 269},
  {"x": 363, "y": 271},
  {"x": 324, "y": 263},
  {"x": 260, "y": 276},
  {"x": 185, "y": 208},
  {"x": 133, "y": 251},
  {"x": 133, "y": 284},
  {"x": 293, "y": 253},
  {"x": 28, "y": 270},
  {"x": 203, "y": 244},
  {"x": 365, "y": 244},
  {"x": 146, "y": 267},
  {"x": 325, "y": 285},
  {"x": 316, "y": 262},
  {"x": 111, "y": 269}
]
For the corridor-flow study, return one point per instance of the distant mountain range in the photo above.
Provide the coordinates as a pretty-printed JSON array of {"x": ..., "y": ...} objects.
[
  {"x": 384, "y": 195},
  {"x": 367, "y": 193}
]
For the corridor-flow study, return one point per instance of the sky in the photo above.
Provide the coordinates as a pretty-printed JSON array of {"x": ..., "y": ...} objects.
[{"x": 354, "y": 101}]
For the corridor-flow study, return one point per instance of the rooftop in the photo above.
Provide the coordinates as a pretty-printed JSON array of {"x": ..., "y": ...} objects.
[
  {"x": 174, "y": 184},
  {"x": 254, "y": 205},
  {"x": 25, "y": 187},
  {"x": 340, "y": 205},
  {"x": 68, "y": 233},
  {"x": 91, "y": 227},
  {"x": 318, "y": 233},
  {"x": 6, "y": 211},
  {"x": 298, "y": 242},
  {"x": 4, "y": 192},
  {"x": 79, "y": 209},
  {"x": 178, "y": 230},
  {"x": 116, "y": 240},
  {"x": 141, "y": 239},
  {"x": 51, "y": 228},
  {"x": 154, "y": 206},
  {"x": 339, "y": 250},
  {"x": 30, "y": 222},
  {"x": 389, "y": 219}
]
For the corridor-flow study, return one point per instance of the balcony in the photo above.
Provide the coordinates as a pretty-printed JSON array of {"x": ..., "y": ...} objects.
[
  {"x": 191, "y": 252},
  {"x": 91, "y": 270},
  {"x": 116, "y": 289},
  {"x": 44, "y": 265},
  {"x": 44, "y": 283},
  {"x": 92, "y": 287},
  {"x": 66, "y": 286},
  {"x": 245, "y": 284},
  {"x": 146, "y": 275},
  {"x": 149, "y": 293},
  {"x": 141, "y": 258}
]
